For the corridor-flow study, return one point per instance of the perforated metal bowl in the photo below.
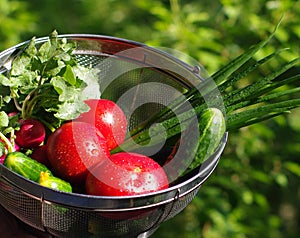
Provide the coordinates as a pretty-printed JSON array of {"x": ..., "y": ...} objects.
[{"x": 123, "y": 64}]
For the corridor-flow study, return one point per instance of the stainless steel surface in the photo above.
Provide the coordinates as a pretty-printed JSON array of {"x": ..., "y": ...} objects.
[
  {"x": 8, "y": 57},
  {"x": 123, "y": 64}
]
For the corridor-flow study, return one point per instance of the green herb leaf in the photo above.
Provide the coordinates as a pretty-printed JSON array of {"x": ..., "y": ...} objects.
[
  {"x": 71, "y": 110},
  {"x": 69, "y": 75},
  {"x": 30, "y": 49},
  {"x": 4, "y": 81},
  {"x": 46, "y": 51},
  {"x": 47, "y": 82},
  {"x": 21, "y": 64},
  {"x": 3, "y": 119}
]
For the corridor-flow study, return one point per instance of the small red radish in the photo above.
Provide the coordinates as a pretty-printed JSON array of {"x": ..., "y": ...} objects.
[
  {"x": 40, "y": 155},
  {"x": 31, "y": 134}
]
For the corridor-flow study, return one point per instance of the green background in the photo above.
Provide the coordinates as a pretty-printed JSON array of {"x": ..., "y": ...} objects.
[{"x": 254, "y": 192}]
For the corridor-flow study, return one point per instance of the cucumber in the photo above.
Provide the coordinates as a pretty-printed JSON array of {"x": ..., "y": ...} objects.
[
  {"x": 210, "y": 129},
  {"x": 209, "y": 126},
  {"x": 25, "y": 166},
  {"x": 47, "y": 180}
]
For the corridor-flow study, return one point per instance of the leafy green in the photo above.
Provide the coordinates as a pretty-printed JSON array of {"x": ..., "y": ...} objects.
[
  {"x": 47, "y": 82},
  {"x": 3, "y": 119}
]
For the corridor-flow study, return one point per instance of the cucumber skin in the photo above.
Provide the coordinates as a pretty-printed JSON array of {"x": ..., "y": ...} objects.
[
  {"x": 212, "y": 127},
  {"x": 25, "y": 166},
  {"x": 55, "y": 183}
]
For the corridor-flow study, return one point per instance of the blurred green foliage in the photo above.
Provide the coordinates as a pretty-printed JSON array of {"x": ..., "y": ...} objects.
[{"x": 254, "y": 192}]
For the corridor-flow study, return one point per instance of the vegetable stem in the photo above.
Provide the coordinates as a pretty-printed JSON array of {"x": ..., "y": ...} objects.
[
  {"x": 10, "y": 147},
  {"x": 230, "y": 82},
  {"x": 222, "y": 75},
  {"x": 253, "y": 90},
  {"x": 254, "y": 115}
]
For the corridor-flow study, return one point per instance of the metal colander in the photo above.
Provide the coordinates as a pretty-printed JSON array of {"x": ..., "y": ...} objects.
[{"x": 123, "y": 65}]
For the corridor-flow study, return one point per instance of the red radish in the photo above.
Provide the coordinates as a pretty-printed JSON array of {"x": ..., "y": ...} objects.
[
  {"x": 31, "y": 134},
  {"x": 12, "y": 114},
  {"x": 125, "y": 174},
  {"x": 40, "y": 155},
  {"x": 74, "y": 148},
  {"x": 109, "y": 118}
]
